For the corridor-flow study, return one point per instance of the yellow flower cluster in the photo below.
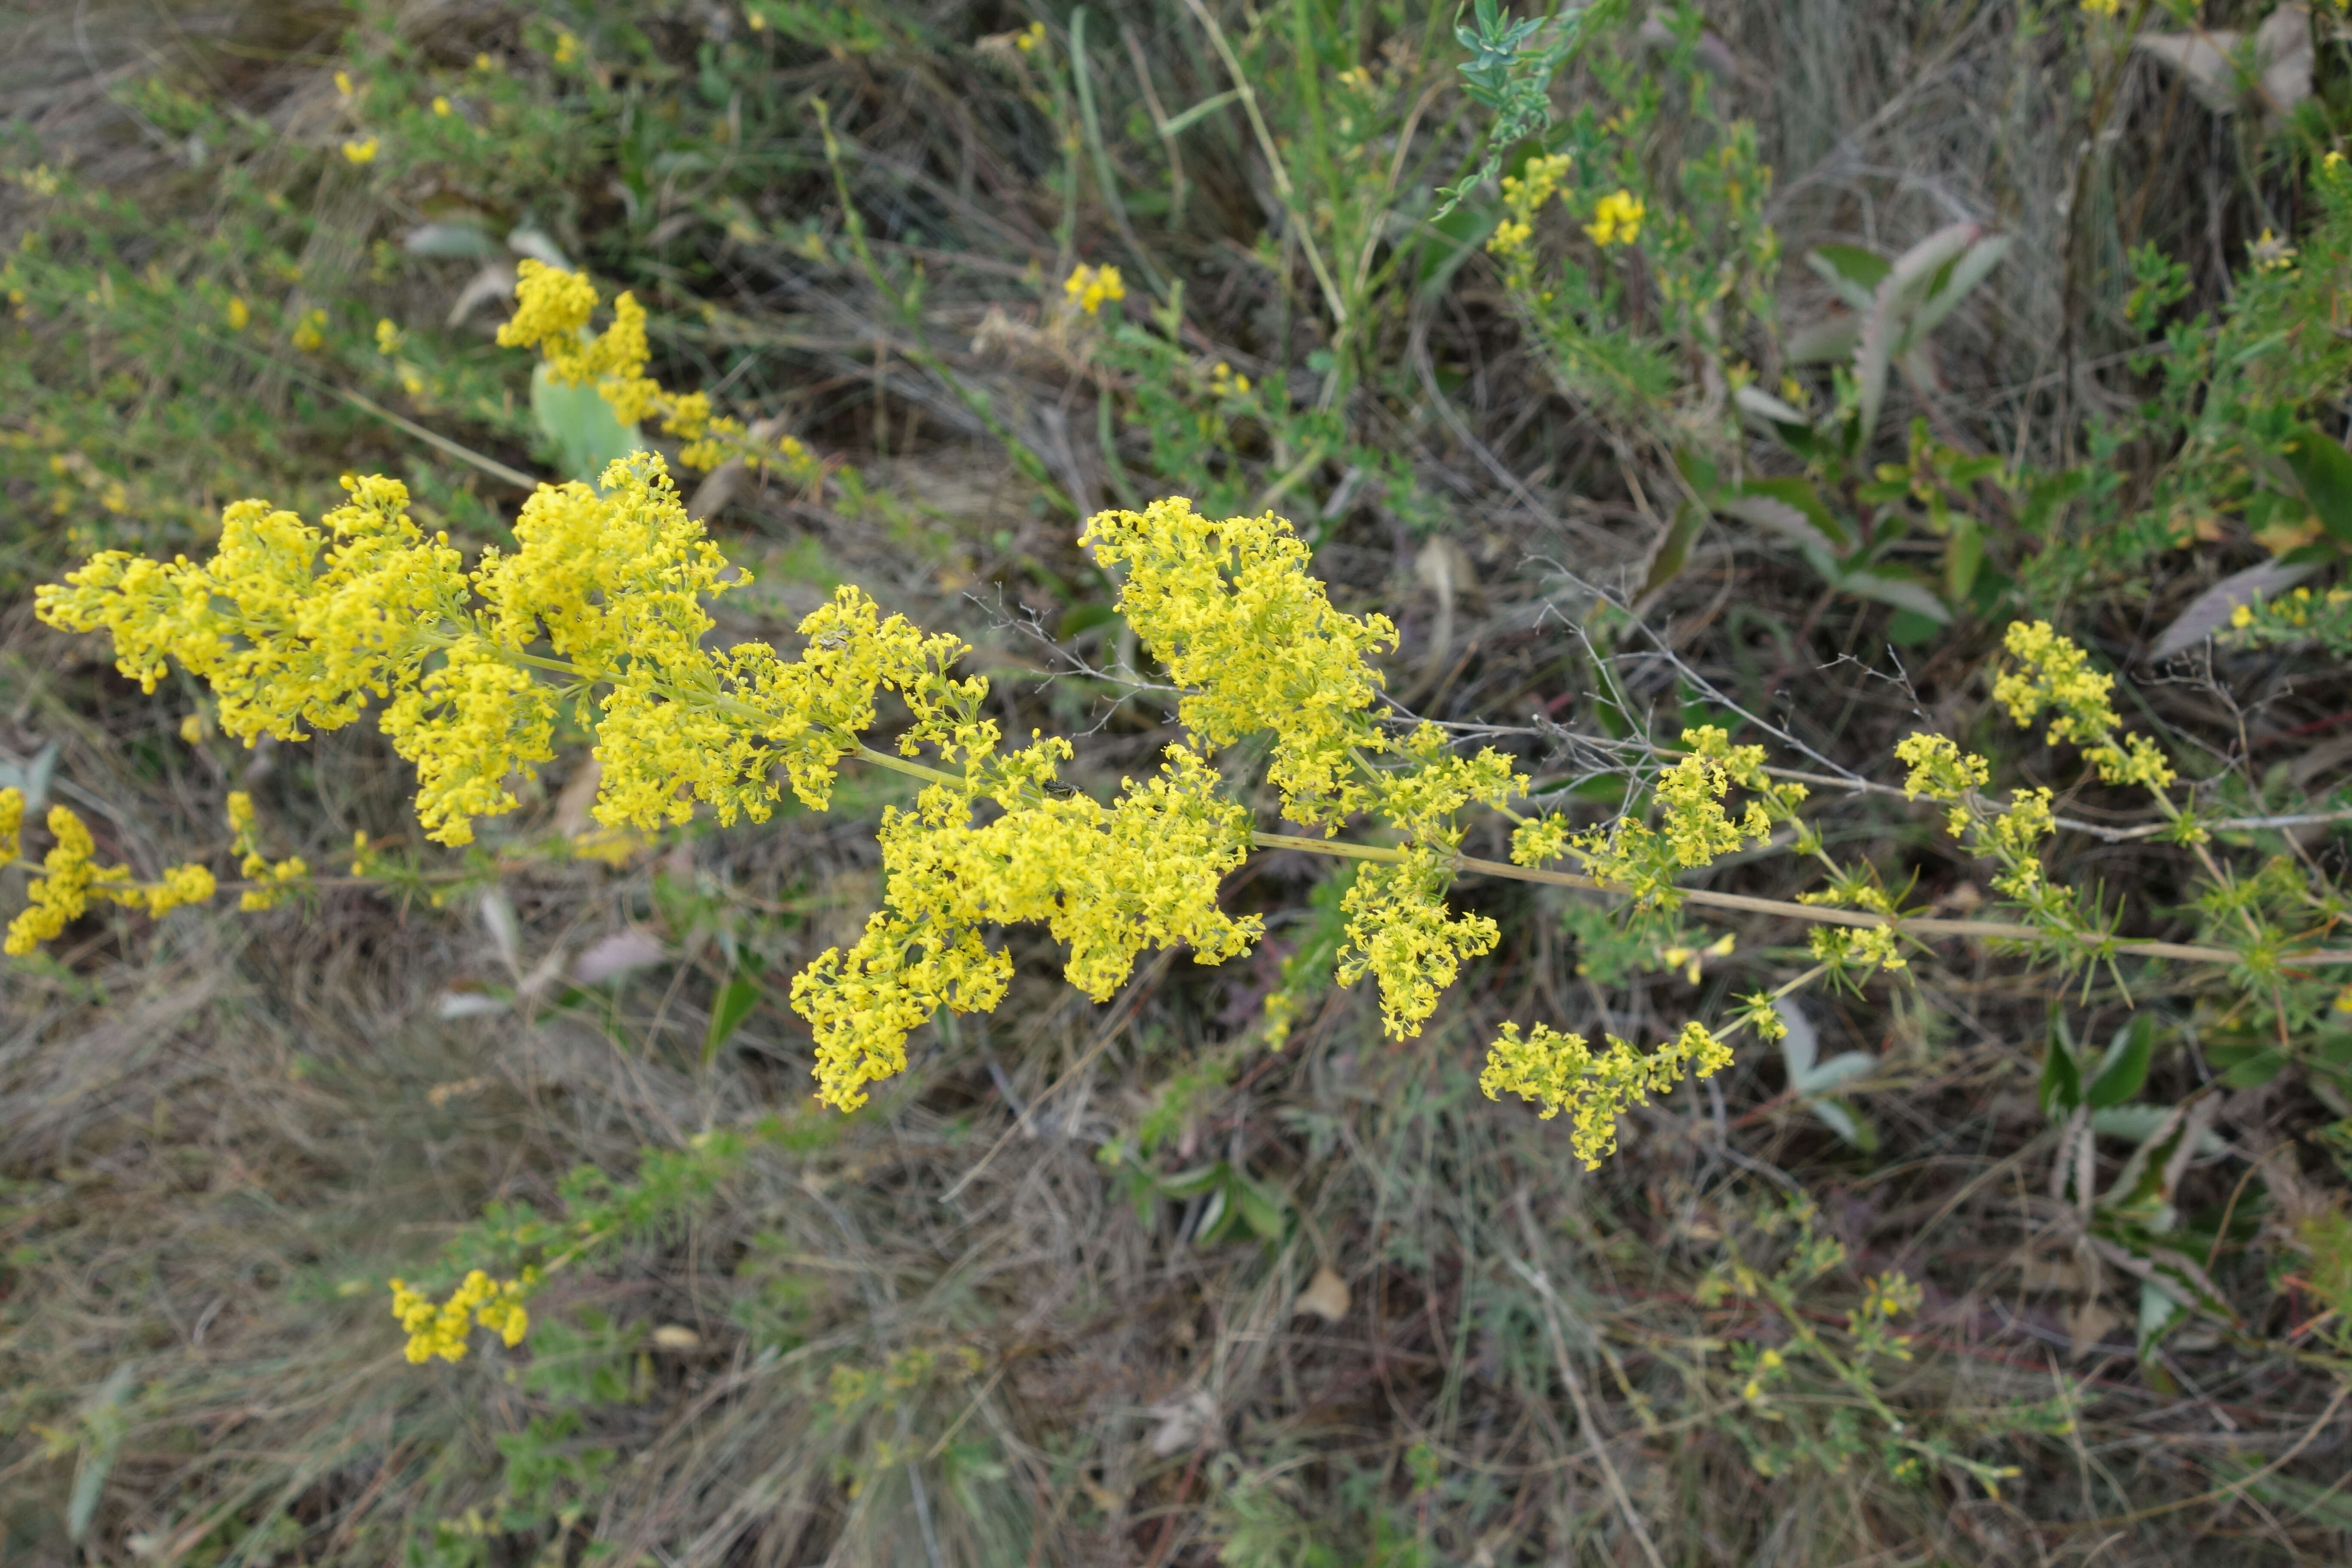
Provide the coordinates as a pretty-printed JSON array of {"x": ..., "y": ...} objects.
[
  {"x": 2056, "y": 674},
  {"x": 1617, "y": 220},
  {"x": 1694, "y": 828},
  {"x": 71, "y": 876},
  {"x": 1088, "y": 287},
  {"x": 276, "y": 878},
  {"x": 1524, "y": 194},
  {"x": 552, "y": 308},
  {"x": 1107, "y": 880},
  {"x": 1940, "y": 769},
  {"x": 495, "y": 1304},
  {"x": 1231, "y": 610},
  {"x": 1560, "y": 1072}
]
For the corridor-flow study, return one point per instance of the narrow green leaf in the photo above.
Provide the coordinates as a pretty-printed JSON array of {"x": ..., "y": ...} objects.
[
  {"x": 734, "y": 1006},
  {"x": 2062, "y": 1081}
]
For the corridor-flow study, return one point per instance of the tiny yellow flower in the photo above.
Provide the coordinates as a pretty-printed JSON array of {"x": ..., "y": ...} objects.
[
  {"x": 1088, "y": 286},
  {"x": 2243, "y": 616},
  {"x": 484, "y": 63},
  {"x": 344, "y": 84},
  {"x": 2270, "y": 253},
  {"x": 567, "y": 48},
  {"x": 2100, "y": 7},
  {"x": 388, "y": 337},
  {"x": 310, "y": 331},
  {"x": 361, "y": 149},
  {"x": 238, "y": 313},
  {"x": 441, "y": 106},
  {"x": 1031, "y": 37},
  {"x": 1617, "y": 220}
]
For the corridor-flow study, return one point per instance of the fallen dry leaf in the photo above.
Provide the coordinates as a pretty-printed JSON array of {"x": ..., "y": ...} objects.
[{"x": 1325, "y": 1296}]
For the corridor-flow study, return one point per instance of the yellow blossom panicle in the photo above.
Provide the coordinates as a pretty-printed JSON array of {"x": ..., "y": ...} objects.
[
  {"x": 71, "y": 876},
  {"x": 1401, "y": 931},
  {"x": 1694, "y": 826},
  {"x": 291, "y": 626},
  {"x": 1107, "y": 880},
  {"x": 495, "y": 1304},
  {"x": 1088, "y": 287},
  {"x": 12, "y": 823},
  {"x": 2056, "y": 674},
  {"x": 1524, "y": 194},
  {"x": 1561, "y": 1072},
  {"x": 1231, "y": 610},
  {"x": 552, "y": 308},
  {"x": 1940, "y": 769},
  {"x": 275, "y": 880},
  {"x": 1617, "y": 220}
]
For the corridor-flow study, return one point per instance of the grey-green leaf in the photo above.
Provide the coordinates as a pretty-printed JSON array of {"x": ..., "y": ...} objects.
[{"x": 582, "y": 425}]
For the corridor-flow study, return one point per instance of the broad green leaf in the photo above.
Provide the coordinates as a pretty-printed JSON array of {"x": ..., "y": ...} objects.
[
  {"x": 1957, "y": 280},
  {"x": 2324, "y": 468},
  {"x": 1850, "y": 1129},
  {"x": 1853, "y": 272},
  {"x": 1823, "y": 343},
  {"x": 1843, "y": 1068},
  {"x": 2158, "y": 1314},
  {"x": 582, "y": 425}
]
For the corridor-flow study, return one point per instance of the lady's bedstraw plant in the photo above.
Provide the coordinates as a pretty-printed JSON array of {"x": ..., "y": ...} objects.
[
  {"x": 598, "y": 610},
  {"x": 599, "y": 607}
]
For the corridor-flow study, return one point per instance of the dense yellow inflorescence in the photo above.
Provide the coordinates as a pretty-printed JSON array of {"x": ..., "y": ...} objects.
[
  {"x": 71, "y": 877},
  {"x": 1231, "y": 610},
  {"x": 552, "y": 310},
  {"x": 1563, "y": 1073},
  {"x": 1107, "y": 880},
  {"x": 495, "y": 1304}
]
